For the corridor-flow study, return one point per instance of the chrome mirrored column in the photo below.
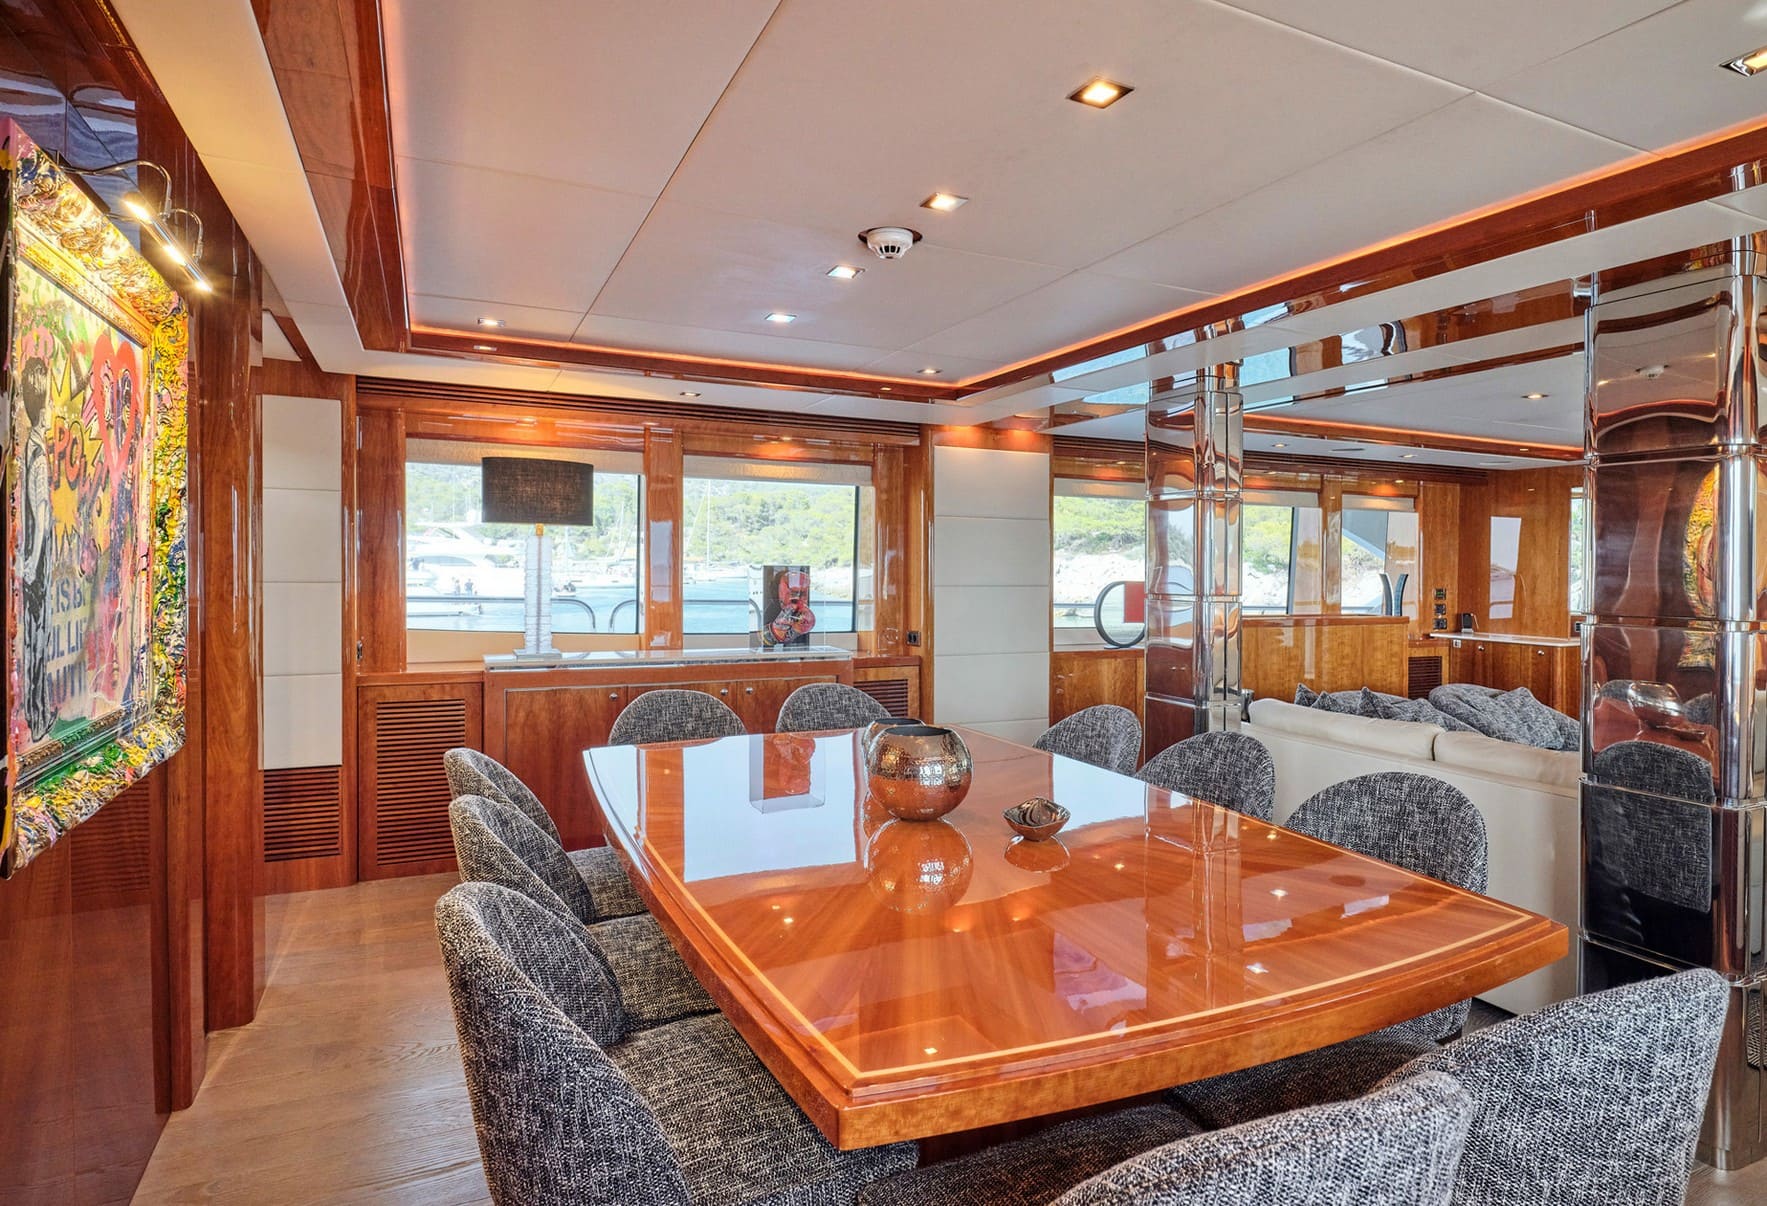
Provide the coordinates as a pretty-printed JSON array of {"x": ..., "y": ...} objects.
[
  {"x": 1674, "y": 793},
  {"x": 1195, "y": 467}
]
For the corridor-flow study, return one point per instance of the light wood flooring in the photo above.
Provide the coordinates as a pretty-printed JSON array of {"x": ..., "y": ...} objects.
[{"x": 347, "y": 1087}]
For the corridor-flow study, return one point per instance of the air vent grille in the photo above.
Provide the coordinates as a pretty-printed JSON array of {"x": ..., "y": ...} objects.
[
  {"x": 1423, "y": 674},
  {"x": 411, "y": 790},
  {"x": 302, "y": 813},
  {"x": 892, "y": 693}
]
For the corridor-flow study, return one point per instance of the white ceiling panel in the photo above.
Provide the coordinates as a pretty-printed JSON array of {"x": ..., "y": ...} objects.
[
  {"x": 848, "y": 114},
  {"x": 608, "y": 95},
  {"x": 477, "y": 233},
  {"x": 1655, "y": 82},
  {"x": 1040, "y": 321},
  {"x": 702, "y": 268},
  {"x": 1471, "y": 44},
  {"x": 1472, "y": 153},
  {"x": 909, "y": 362},
  {"x": 463, "y": 314},
  {"x": 766, "y": 348}
]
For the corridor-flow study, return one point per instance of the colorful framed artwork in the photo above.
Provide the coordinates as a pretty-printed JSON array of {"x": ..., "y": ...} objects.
[{"x": 96, "y": 382}]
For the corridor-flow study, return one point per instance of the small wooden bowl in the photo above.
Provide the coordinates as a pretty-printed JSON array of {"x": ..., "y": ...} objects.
[{"x": 1037, "y": 819}]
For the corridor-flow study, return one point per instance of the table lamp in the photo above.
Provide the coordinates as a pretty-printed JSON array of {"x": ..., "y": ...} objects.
[{"x": 529, "y": 490}]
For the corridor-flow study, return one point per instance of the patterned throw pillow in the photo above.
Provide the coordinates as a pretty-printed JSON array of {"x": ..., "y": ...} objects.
[
  {"x": 1422, "y": 711},
  {"x": 1305, "y": 697}
]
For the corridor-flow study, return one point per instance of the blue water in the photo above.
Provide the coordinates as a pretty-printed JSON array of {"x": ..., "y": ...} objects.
[{"x": 716, "y": 606}]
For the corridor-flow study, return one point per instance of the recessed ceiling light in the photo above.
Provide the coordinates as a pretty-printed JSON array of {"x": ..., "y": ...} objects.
[
  {"x": 944, "y": 202},
  {"x": 487, "y": 321},
  {"x": 1279, "y": 445},
  {"x": 929, "y": 372},
  {"x": 1521, "y": 450},
  {"x": 1405, "y": 456},
  {"x": 781, "y": 317},
  {"x": 484, "y": 347},
  {"x": 1749, "y": 64},
  {"x": 884, "y": 388},
  {"x": 1534, "y": 397},
  {"x": 1100, "y": 93},
  {"x": 694, "y": 393},
  {"x": 844, "y": 272}
]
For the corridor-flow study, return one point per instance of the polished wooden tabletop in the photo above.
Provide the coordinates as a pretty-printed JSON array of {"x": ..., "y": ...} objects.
[{"x": 908, "y": 979}]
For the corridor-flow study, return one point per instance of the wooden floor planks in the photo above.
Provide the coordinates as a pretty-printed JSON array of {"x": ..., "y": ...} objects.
[{"x": 347, "y": 1087}]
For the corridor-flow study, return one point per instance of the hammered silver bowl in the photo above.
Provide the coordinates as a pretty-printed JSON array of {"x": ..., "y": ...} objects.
[
  {"x": 918, "y": 772},
  {"x": 870, "y": 733}
]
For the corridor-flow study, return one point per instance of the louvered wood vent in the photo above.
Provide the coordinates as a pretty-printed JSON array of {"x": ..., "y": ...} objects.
[
  {"x": 1423, "y": 675},
  {"x": 892, "y": 693},
  {"x": 302, "y": 817},
  {"x": 411, "y": 789}
]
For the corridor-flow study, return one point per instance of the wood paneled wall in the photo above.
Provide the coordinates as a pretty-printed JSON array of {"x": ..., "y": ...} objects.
[
  {"x": 1541, "y": 500},
  {"x": 107, "y": 968},
  {"x": 1327, "y": 653}
]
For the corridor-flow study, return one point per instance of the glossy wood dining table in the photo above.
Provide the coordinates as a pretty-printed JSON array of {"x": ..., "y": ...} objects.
[{"x": 909, "y": 979}]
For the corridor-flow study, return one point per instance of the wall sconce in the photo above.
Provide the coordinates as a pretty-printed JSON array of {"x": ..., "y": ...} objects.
[{"x": 138, "y": 209}]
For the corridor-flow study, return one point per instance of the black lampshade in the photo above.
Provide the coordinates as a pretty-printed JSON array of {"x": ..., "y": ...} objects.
[{"x": 519, "y": 489}]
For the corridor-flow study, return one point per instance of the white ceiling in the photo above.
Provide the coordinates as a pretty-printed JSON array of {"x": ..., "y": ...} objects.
[{"x": 661, "y": 175}]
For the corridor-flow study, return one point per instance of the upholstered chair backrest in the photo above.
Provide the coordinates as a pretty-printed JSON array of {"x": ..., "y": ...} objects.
[
  {"x": 472, "y": 773},
  {"x": 673, "y": 715},
  {"x": 816, "y": 706},
  {"x": 495, "y": 843},
  {"x": 1399, "y": 1144},
  {"x": 557, "y": 1122},
  {"x": 1102, "y": 735},
  {"x": 1231, "y": 769},
  {"x": 1592, "y": 1101},
  {"x": 1412, "y": 821}
]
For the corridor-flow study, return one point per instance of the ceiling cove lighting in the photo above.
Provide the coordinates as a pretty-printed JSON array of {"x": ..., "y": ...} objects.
[
  {"x": 944, "y": 202},
  {"x": 1749, "y": 64},
  {"x": 844, "y": 272},
  {"x": 1100, "y": 93},
  {"x": 781, "y": 317}
]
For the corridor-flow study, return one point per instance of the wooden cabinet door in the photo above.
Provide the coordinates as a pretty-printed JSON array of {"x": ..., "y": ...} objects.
[
  {"x": 545, "y": 731},
  {"x": 402, "y": 791},
  {"x": 758, "y": 700}
]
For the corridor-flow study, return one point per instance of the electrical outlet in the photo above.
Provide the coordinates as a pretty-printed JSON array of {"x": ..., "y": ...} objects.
[{"x": 914, "y": 637}]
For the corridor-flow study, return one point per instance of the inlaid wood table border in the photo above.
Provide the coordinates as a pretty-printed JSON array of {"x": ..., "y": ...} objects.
[{"x": 1376, "y": 964}]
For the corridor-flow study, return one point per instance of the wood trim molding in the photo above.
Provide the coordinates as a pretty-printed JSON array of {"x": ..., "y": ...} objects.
[{"x": 664, "y": 624}]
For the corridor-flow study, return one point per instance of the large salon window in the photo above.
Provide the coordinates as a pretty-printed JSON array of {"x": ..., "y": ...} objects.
[
  {"x": 739, "y": 516},
  {"x": 463, "y": 575},
  {"x": 1281, "y": 536},
  {"x": 1099, "y": 536},
  {"x": 1378, "y": 546}
]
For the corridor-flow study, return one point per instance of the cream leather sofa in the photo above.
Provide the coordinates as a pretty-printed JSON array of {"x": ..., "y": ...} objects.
[{"x": 1527, "y": 796}]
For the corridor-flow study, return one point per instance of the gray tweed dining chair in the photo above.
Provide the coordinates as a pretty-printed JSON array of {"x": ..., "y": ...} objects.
[
  {"x": 472, "y": 773},
  {"x": 1231, "y": 769},
  {"x": 1399, "y": 1146},
  {"x": 571, "y": 1104},
  {"x": 495, "y": 843},
  {"x": 1103, "y": 735},
  {"x": 674, "y": 714},
  {"x": 1593, "y": 1101},
  {"x": 817, "y": 706},
  {"x": 1412, "y": 821}
]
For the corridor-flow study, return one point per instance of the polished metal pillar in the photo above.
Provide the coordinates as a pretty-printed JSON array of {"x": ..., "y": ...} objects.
[
  {"x": 1674, "y": 707},
  {"x": 1194, "y": 473}
]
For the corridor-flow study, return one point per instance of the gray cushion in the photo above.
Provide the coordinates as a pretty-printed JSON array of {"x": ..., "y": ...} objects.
[
  {"x": 1508, "y": 715},
  {"x": 1316, "y": 1077},
  {"x": 604, "y": 875},
  {"x": 655, "y": 985},
  {"x": 814, "y": 707},
  {"x": 1226, "y": 768},
  {"x": 1102, "y": 735},
  {"x": 1398, "y": 1146},
  {"x": 730, "y": 1124},
  {"x": 1595, "y": 1101},
  {"x": 1033, "y": 1170},
  {"x": 1421, "y": 711},
  {"x": 557, "y": 1122},
  {"x": 673, "y": 715},
  {"x": 1413, "y": 821},
  {"x": 1348, "y": 703}
]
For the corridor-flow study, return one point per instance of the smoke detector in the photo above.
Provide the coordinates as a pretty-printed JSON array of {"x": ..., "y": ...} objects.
[{"x": 889, "y": 242}]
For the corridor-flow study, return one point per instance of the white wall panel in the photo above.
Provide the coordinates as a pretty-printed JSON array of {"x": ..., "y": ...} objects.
[
  {"x": 991, "y": 590},
  {"x": 303, "y": 582}
]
